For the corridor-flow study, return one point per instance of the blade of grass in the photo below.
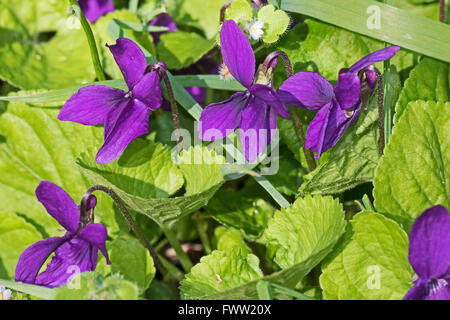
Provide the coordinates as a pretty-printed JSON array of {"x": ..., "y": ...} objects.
[
  {"x": 400, "y": 27},
  {"x": 37, "y": 291}
]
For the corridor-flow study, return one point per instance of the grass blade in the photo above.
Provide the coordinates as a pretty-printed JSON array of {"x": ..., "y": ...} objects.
[{"x": 380, "y": 21}]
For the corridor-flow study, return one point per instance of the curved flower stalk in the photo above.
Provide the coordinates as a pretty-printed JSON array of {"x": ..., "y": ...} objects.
[
  {"x": 125, "y": 115},
  {"x": 429, "y": 255},
  {"x": 76, "y": 251},
  {"x": 339, "y": 105},
  {"x": 253, "y": 111},
  {"x": 94, "y": 9}
]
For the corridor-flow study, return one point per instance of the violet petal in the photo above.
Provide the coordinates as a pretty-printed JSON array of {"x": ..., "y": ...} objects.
[
  {"x": 220, "y": 119},
  {"x": 327, "y": 127},
  {"x": 237, "y": 53},
  {"x": 94, "y": 9},
  {"x": 96, "y": 234},
  {"x": 417, "y": 292},
  {"x": 72, "y": 257},
  {"x": 257, "y": 128},
  {"x": 123, "y": 124},
  {"x": 269, "y": 96},
  {"x": 306, "y": 90},
  {"x": 429, "y": 246},
  {"x": 59, "y": 205},
  {"x": 32, "y": 259},
  {"x": 374, "y": 57},
  {"x": 90, "y": 105},
  {"x": 347, "y": 90},
  {"x": 148, "y": 90},
  {"x": 130, "y": 59}
]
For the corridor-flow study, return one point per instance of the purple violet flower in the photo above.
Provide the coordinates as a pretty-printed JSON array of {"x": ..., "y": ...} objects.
[
  {"x": 94, "y": 9},
  {"x": 338, "y": 105},
  {"x": 429, "y": 255},
  {"x": 162, "y": 20},
  {"x": 76, "y": 251},
  {"x": 125, "y": 115},
  {"x": 253, "y": 111}
]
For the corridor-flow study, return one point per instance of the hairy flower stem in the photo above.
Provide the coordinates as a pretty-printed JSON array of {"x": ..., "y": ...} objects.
[
  {"x": 295, "y": 114},
  {"x": 119, "y": 203},
  {"x": 380, "y": 91},
  {"x": 442, "y": 11},
  {"x": 174, "y": 108},
  {"x": 91, "y": 40},
  {"x": 223, "y": 9}
]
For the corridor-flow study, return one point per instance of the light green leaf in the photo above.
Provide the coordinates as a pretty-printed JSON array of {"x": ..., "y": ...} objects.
[
  {"x": 316, "y": 222},
  {"x": 94, "y": 286},
  {"x": 198, "y": 13},
  {"x": 352, "y": 161},
  {"x": 305, "y": 232},
  {"x": 180, "y": 49},
  {"x": 227, "y": 238},
  {"x": 144, "y": 177},
  {"x": 220, "y": 271},
  {"x": 35, "y": 146},
  {"x": 15, "y": 236},
  {"x": 429, "y": 80},
  {"x": 414, "y": 173},
  {"x": 241, "y": 210},
  {"x": 201, "y": 168},
  {"x": 371, "y": 261},
  {"x": 29, "y": 63},
  {"x": 275, "y": 21},
  {"x": 240, "y": 11},
  {"x": 133, "y": 261}
]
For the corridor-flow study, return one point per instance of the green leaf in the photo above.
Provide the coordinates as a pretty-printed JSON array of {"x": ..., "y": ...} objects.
[
  {"x": 133, "y": 261},
  {"x": 35, "y": 146},
  {"x": 414, "y": 173},
  {"x": 227, "y": 238},
  {"x": 429, "y": 80},
  {"x": 275, "y": 21},
  {"x": 144, "y": 177},
  {"x": 198, "y": 13},
  {"x": 427, "y": 8},
  {"x": 220, "y": 271},
  {"x": 15, "y": 236},
  {"x": 317, "y": 222},
  {"x": 240, "y": 11},
  {"x": 201, "y": 169},
  {"x": 94, "y": 286},
  {"x": 290, "y": 175},
  {"x": 180, "y": 49},
  {"x": 352, "y": 161},
  {"x": 305, "y": 232},
  {"x": 240, "y": 210},
  {"x": 371, "y": 261},
  {"x": 380, "y": 21},
  {"x": 29, "y": 63}
]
